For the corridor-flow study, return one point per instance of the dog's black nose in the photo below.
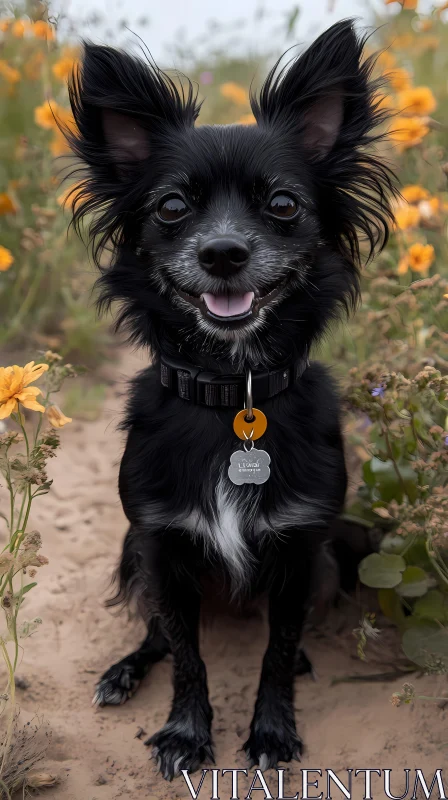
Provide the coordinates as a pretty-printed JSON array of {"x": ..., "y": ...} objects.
[{"x": 223, "y": 256}]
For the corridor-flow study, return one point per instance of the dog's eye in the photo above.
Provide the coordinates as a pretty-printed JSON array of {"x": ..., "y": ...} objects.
[
  {"x": 282, "y": 206},
  {"x": 172, "y": 209}
]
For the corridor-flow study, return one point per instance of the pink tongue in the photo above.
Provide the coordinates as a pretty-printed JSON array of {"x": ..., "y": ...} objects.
[{"x": 228, "y": 305}]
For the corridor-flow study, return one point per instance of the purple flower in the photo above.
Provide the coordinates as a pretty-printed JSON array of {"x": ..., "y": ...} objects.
[
  {"x": 378, "y": 391},
  {"x": 206, "y": 78},
  {"x": 446, "y": 440}
]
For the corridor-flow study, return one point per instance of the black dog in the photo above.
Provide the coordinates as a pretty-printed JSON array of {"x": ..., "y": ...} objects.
[{"x": 233, "y": 248}]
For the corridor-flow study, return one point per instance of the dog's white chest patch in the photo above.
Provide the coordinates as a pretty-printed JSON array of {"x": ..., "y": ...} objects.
[{"x": 223, "y": 530}]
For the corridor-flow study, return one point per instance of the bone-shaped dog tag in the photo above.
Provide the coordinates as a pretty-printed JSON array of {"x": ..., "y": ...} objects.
[{"x": 249, "y": 466}]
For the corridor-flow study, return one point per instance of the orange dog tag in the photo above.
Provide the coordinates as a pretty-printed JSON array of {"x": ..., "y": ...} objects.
[{"x": 250, "y": 430}]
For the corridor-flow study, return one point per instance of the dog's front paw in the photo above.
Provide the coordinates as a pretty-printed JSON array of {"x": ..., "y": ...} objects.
[
  {"x": 179, "y": 746},
  {"x": 270, "y": 743},
  {"x": 117, "y": 685}
]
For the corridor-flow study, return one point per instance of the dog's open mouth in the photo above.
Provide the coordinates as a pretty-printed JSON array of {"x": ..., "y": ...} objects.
[{"x": 232, "y": 308}]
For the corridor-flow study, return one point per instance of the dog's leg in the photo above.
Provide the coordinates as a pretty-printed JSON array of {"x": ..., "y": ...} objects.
[
  {"x": 273, "y": 736},
  {"x": 123, "y": 678},
  {"x": 185, "y": 740}
]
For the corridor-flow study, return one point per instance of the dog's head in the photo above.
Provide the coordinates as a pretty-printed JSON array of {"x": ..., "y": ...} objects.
[{"x": 244, "y": 240}]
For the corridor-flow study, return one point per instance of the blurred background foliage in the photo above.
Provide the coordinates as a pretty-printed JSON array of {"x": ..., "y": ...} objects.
[{"x": 391, "y": 358}]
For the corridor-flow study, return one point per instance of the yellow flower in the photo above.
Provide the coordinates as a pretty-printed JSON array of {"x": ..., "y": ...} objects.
[
  {"x": 408, "y": 131},
  {"x": 419, "y": 100},
  {"x": 15, "y": 389},
  {"x": 5, "y": 24},
  {"x": 19, "y": 27},
  {"x": 42, "y": 30},
  {"x": 44, "y": 116},
  {"x": 6, "y": 258},
  {"x": 414, "y": 193},
  {"x": 247, "y": 119},
  {"x": 399, "y": 79},
  {"x": 420, "y": 257},
  {"x": 7, "y": 205},
  {"x": 56, "y": 418},
  {"x": 429, "y": 208},
  {"x": 237, "y": 94},
  {"x": 10, "y": 74},
  {"x": 407, "y": 217},
  {"x": 49, "y": 114},
  {"x": 63, "y": 68},
  {"x": 406, "y": 4}
]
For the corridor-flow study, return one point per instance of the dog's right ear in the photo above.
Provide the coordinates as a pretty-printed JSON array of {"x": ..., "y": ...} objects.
[{"x": 120, "y": 104}]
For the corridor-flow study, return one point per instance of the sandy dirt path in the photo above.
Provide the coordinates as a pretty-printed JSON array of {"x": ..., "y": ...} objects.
[{"x": 96, "y": 752}]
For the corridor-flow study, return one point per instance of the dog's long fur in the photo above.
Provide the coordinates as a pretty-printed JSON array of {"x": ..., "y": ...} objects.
[{"x": 316, "y": 126}]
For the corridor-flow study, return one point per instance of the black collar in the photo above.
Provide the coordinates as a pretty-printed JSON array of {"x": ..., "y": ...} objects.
[{"x": 214, "y": 389}]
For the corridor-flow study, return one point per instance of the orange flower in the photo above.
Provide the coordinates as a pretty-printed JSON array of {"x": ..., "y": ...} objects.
[
  {"x": 10, "y": 74},
  {"x": 44, "y": 116},
  {"x": 5, "y": 24},
  {"x": 56, "y": 418},
  {"x": 15, "y": 389},
  {"x": 420, "y": 257},
  {"x": 410, "y": 5},
  {"x": 414, "y": 193},
  {"x": 408, "y": 131},
  {"x": 7, "y": 205},
  {"x": 42, "y": 30},
  {"x": 63, "y": 68},
  {"x": 417, "y": 101},
  {"x": 6, "y": 258},
  {"x": 48, "y": 114},
  {"x": 399, "y": 79},
  {"x": 18, "y": 29},
  {"x": 237, "y": 94},
  {"x": 429, "y": 208},
  {"x": 247, "y": 119},
  {"x": 407, "y": 217}
]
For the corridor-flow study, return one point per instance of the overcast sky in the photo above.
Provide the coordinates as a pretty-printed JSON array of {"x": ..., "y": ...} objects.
[{"x": 169, "y": 20}]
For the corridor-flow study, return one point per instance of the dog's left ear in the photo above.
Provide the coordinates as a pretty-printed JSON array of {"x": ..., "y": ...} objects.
[{"x": 321, "y": 92}]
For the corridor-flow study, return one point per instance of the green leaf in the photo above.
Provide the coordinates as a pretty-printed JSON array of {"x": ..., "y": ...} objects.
[
  {"x": 433, "y": 606},
  {"x": 414, "y": 583},
  {"x": 393, "y": 544},
  {"x": 369, "y": 477},
  {"x": 386, "y": 481},
  {"x": 28, "y": 587},
  {"x": 425, "y": 643},
  {"x": 390, "y": 605},
  {"x": 382, "y": 570}
]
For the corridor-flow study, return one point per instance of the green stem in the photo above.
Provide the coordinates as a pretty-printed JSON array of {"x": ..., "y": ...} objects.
[
  {"x": 392, "y": 458},
  {"x": 29, "y": 299},
  {"x": 12, "y": 697}
]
